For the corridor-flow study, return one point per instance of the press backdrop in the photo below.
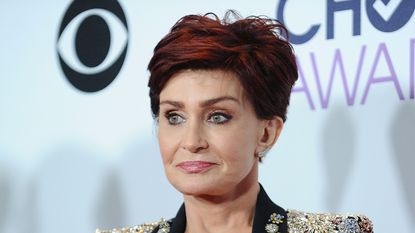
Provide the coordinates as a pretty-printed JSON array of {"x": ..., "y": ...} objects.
[{"x": 78, "y": 145}]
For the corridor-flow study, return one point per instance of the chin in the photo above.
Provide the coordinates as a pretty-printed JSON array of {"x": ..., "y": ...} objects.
[{"x": 196, "y": 185}]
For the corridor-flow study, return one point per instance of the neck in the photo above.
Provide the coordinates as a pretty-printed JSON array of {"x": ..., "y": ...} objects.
[{"x": 231, "y": 212}]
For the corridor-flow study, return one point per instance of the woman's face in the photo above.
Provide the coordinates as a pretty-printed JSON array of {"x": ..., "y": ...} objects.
[{"x": 208, "y": 133}]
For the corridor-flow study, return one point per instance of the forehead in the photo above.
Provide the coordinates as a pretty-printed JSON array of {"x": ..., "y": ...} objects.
[{"x": 202, "y": 84}]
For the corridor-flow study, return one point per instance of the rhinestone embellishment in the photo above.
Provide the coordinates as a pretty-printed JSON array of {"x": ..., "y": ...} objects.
[{"x": 273, "y": 223}]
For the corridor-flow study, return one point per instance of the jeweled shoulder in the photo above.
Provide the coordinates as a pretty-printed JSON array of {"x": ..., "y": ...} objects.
[
  {"x": 163, "y": 225},
  {"x": 298, "y": 222},
  {"x": 331, "y": 223}
]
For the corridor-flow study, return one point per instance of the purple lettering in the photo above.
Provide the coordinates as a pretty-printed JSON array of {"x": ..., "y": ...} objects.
[
  {"x": 382, "y": 49},
  {"x": 324, "y": 100},
  {"x": 304, "y": 86},
  {"x": 338, "y": 62},
  {"x": 412, "y": 70}
]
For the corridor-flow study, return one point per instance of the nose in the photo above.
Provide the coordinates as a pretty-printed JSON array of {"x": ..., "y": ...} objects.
[{"x": 193, "y": 139}]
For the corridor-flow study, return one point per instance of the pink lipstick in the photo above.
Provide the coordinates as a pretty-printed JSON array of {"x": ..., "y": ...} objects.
[{"x": 195, "y": 166}]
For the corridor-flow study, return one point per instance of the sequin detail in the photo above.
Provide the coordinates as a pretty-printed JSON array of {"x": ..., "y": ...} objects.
[
  {"x": 273, "y": 223},
  {"x": 163, "y": 225},
  {"x": 298, "y": 222},
  {"x": 301, "y": 222}
]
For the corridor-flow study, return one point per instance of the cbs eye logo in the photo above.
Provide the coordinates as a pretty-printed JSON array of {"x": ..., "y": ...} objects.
[{"x": 92, "y": 43}]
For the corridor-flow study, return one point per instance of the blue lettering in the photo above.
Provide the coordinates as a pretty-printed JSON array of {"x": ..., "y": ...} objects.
[
  {"x": 333, "y": 6},
  {"x": 296, "y": 39},
  {"x": 389, "y": 16}
]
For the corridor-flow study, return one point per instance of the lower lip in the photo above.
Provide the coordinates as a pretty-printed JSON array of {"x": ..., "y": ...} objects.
[{"x": 195, "y": 166}]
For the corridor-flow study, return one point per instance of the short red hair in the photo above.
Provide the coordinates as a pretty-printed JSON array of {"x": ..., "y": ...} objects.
[{"x": 253, "y": 48}]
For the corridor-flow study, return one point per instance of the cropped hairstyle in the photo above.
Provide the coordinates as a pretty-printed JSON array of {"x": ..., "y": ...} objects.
[{"x": 255, "y": 49}]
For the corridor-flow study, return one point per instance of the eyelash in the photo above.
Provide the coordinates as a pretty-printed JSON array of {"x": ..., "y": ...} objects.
[
  {"x": 170, "y": 114},
  {"x": 227, "y": 117}
]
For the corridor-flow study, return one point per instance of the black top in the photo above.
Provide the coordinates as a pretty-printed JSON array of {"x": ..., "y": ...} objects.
[{"x": 267, "y": 215}]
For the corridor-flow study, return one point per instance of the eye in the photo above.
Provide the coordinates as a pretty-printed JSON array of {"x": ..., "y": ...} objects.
[
  {"x": 219, "y": 118},
  {"x": 174, "y": 118}
]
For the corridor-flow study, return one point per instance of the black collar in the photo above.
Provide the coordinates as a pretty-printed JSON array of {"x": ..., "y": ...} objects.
[{"x": 267, "y": 214}]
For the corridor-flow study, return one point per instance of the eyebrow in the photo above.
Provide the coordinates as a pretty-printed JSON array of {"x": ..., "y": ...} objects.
[{"x": 204, "y": 103}]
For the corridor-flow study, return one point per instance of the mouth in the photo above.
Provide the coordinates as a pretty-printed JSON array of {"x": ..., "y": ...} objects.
[{"x": 195, "y": 166}]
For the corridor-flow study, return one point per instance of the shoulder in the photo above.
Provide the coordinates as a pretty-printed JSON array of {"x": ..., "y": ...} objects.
[
  {"x": 162, "y": 225},
  {"x": 322, "y": 222},
  {"x": 297, "y": 222}
]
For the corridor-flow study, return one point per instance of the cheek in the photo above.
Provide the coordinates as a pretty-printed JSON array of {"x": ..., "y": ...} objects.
[
  {"x": 238, "y": 145},
  {"x": 167, "y": 145}
]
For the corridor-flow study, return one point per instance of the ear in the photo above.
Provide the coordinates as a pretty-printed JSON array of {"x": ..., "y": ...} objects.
[{"x": 271, "y": 130}]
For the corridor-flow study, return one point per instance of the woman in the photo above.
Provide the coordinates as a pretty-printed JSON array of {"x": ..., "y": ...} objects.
[{"x": 219, "y": 91}]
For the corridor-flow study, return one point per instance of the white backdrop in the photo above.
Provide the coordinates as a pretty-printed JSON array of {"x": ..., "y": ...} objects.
[{"x": 72, "y": 161}]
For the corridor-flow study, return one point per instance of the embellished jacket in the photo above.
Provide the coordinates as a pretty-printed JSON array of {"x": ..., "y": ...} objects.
[{"x": 268, "y": 218}]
